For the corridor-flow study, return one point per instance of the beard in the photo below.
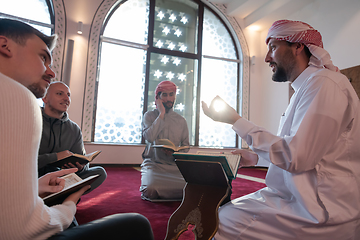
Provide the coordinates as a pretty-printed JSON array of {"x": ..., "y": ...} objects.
[
  {"x": 284, "y": 68},
  {"x": 37, "y": 90},
  {"x": 168, "y": 105},
  {"x": 280, "y": 75}
]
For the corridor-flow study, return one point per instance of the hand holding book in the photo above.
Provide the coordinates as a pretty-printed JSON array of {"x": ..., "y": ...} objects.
[
  {"x": 74, "y": 158},
  {"x": 74, "y": 187},
  {"x": 76, "y": 195},
  {"x": 248, "y": 157},
  {"x": 52, "y": 183}
]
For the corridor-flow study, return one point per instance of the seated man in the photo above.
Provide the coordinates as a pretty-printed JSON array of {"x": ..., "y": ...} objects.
[
  {"x": 313, "y": 179},
  {"x": 61, "y": 137},
  {"x": 25, "y": 72},
  {"x": 160, "y": 177}
]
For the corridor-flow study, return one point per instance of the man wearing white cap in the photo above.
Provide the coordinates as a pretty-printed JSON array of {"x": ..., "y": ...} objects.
[{"x": 314, "y": 174}]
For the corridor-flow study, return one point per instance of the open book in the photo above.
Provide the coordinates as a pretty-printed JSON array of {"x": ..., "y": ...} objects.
[
  {"x": 73, "y": 183},
  {"x": 230, "y": 162},
  {"x": 166, "y": 143},
  {"x": 82, "y": 159}
]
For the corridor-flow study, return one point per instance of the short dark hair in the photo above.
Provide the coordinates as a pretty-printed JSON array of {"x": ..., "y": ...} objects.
[{"x": 20, "y": 32}]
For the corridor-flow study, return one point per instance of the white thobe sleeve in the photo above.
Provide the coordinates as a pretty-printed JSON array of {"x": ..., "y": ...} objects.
[
  {"x": 314, "y": 128},
  {"x": 152, "y": 126}
]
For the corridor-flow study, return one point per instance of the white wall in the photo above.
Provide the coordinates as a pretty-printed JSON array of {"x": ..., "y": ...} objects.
[
  {"x": 338, "y": 22},
  {"x": 83, "y": 11}
]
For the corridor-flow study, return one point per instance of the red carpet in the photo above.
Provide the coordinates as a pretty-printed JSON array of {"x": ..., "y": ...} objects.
[{"x": 120, "y": 194}]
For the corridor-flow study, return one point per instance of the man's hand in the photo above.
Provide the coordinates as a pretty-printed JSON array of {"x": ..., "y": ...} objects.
[
  {"x": 160, "y": 106},
  {"x": 225, "y": 114},
  {"x": 51, "y": 183},
  {"x": 74, "y": 197},
  {"x": 67, "y": 153},
  {"x": 248, "y": 157},
  {"x": 70, "y": 165},
  {"x": 168, "y": 152}
]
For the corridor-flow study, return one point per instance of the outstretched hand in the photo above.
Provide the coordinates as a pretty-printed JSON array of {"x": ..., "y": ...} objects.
[
  {"x": 220, "y": 111},
  {"x": 52, "y": 183},
  {"x": 248, "y": 157}
]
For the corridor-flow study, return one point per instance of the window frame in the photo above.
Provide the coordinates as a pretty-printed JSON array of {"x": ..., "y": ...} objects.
[{"x": 229, "y": 22}]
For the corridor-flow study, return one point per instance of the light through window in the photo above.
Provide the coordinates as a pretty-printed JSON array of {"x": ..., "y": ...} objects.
[{"x": 147, "y": 41}]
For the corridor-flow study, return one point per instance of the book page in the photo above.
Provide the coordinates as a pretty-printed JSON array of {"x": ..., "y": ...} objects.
[
  {"x": 72, "y": 184},
  {"x": 232, "y": 159},
  {"x": 71, "y": 179},
  {"x": 183, "y": 147},
  {"x": 92, "y": 155},
  {"x": 80, "y": 156},
  {"x": 88, "y": 157},
  {"x": 165, "y": 142}
]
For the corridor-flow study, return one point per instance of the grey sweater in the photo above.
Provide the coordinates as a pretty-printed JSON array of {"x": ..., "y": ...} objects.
[{"x": 58, "y": 135}]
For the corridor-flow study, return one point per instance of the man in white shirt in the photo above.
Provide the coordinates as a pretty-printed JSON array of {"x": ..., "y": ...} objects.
[
  {"x": 25, "y": 72},
  {"x": 314, "y": 174}
]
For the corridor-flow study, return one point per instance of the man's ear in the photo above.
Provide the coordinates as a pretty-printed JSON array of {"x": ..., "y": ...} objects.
[
  {"x": 44, "y": 99},
  {"x": 299, "y": 48},
  {"x": 4, "y": 46}
]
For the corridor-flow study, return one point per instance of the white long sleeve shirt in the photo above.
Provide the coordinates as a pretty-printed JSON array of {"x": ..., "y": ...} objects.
[
  {"x": 23, "y": 213},
  {"x": 313, "y": 180}
]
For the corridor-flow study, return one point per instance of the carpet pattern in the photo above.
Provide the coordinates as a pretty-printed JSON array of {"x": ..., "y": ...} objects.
[{"x": 120, "y": 194}]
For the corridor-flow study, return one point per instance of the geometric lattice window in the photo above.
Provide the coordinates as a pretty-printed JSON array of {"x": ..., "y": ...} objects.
[{"x": 144, "y": 42}]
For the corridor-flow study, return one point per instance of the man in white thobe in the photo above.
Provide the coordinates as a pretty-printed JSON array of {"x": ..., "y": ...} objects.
[
  {"x": 314, "y": 174},
  {"x": 160, "y": 177}
]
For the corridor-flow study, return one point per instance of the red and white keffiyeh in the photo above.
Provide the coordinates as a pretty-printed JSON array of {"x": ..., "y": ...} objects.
[
  {"x": 297, "y": 31},
  {"x": 165, "y": 86}
]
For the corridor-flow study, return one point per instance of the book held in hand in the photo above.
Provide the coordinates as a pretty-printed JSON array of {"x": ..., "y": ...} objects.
[
  {"x": 166, "y": 143},
  {"x": 82, "y": 159},
  {"x": 73, "y": 183},
  {"x": 230, "y": 162}
]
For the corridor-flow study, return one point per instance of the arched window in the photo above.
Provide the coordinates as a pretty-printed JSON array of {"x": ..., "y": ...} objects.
[{"x": 143, "y": 42}]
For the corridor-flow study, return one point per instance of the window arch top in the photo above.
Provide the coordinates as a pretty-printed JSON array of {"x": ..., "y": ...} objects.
[
  {"x": 217, "y": 41},
  {"x": 129, "y": 22}
]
